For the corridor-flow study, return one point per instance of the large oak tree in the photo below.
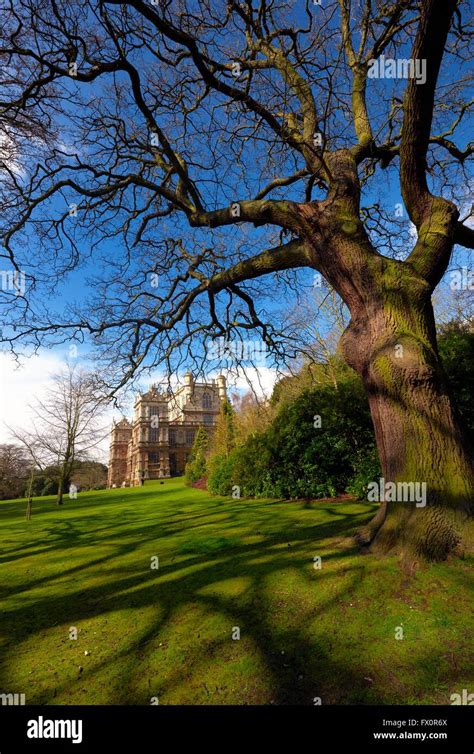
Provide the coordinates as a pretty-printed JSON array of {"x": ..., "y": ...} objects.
[{"x": 172, "y": 140}]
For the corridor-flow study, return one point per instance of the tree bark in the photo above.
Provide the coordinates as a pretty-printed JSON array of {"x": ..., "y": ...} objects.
[
  {"x": 391, "y": 343},
  {"x": 59, "y": 497}
]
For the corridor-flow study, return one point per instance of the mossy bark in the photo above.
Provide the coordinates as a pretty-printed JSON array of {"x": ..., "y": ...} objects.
[{"x": 391, "y": 342}]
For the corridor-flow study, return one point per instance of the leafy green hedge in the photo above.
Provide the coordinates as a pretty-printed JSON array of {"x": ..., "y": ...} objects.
[{"x": 316, "y": 446}]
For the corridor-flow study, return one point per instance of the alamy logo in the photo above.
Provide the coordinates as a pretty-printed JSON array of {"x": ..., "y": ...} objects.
[
  {"x": 464, "y": 698},
  {"x": 402, "y": 68},
  {"x": 462, "y": 280},
  {"x": 42, "y": 728},
  {"x": 254, "y": 351},
  {"x": 13, "y": 280},
  {"x": 14, "y": 700},
  {"x": 397, "y": 492}
]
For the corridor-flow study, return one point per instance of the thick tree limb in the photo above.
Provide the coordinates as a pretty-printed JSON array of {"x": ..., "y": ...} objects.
[
  {"x": 464, "y": 236},
  {"x": 257, "y": 211},
  {"x": 285, "y": 257},
  {"x": 429, "y": 45},
  {"x": 433, "y": 216}
]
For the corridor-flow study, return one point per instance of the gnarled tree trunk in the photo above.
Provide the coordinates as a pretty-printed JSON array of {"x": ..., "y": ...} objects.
[{"x": 391, "y": 343}]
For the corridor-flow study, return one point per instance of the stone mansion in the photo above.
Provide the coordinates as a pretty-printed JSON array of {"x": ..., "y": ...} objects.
[{"x": 158, "y": 441}]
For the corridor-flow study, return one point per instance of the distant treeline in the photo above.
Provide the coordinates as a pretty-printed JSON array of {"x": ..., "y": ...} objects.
[{"x": 15, "y": 467}]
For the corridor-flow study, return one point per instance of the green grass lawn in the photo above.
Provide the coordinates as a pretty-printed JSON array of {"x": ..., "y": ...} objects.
[{"x": 223, "y": 563}]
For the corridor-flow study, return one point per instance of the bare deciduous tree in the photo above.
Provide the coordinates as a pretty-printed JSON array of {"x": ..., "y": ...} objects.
[
  {"x": 14, "y": 470},
  {"x": 65, "y": 425}
]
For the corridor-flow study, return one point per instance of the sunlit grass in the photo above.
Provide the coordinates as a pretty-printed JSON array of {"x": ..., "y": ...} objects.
[{"x": 225, "y": 566}]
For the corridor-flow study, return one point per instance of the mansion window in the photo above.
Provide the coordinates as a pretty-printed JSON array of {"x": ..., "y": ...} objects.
[
  {"x": 154, "y": 414},
  {"x": 154, "y": 435},
  {"x": 206, "y": 401},
  {"x": 172, "y": 437},
  {"x": 189, "y": 437},
  {"x": 153, "y": 458},
  {"x": 208, "y": 418}
]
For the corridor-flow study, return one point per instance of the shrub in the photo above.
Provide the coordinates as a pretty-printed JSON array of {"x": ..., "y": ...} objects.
[
  {"x": 456, "y": 348},
  {"x": 219, "y": 481},
  {"x": 196, "y": 467},
  {"x": 296, "y": 456},
  {"x": 366, "y": 469}
]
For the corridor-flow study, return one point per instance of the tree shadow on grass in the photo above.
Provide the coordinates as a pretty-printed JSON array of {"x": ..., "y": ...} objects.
[
  {"x": 298, "y": 663},
  {"x": 235, "y": 558}
]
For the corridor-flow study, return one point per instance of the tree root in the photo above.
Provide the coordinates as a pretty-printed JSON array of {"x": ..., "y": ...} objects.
[{"x": 366, "y": 534}]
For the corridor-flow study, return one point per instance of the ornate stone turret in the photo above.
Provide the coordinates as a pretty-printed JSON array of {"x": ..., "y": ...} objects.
[
  {"x": 118, "y": 453},
  {"x": 188, "y": 386},
  {"x": 222, "y": 387}
]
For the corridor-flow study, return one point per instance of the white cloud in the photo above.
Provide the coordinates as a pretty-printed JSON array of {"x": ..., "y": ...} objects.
[
  {"x": 413, "y": 233},
  {"x": 260, "y": 380},
  {"x": 9, "y": 154},
  {"x": 22, "y": 385}
]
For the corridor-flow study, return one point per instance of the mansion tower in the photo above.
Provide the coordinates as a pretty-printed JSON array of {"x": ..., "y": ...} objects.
[{"x": 158, "y": 441}]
